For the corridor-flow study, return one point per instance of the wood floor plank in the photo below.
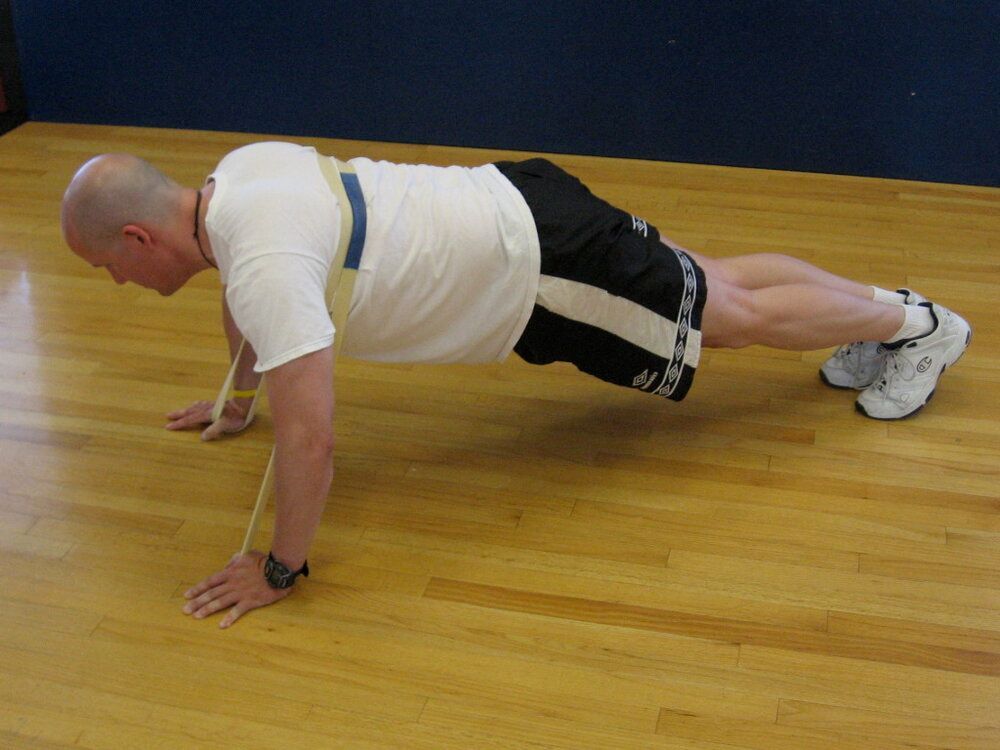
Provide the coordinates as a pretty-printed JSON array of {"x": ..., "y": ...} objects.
[
  {"x": 555, "y": 572},
  {"x": 883, "y": 687},
  {"x": 728, "y": 630},
  {"x": 769, "y": 735},
  {"x": 961, "y": 606},
  {"x": 539, "y": 732},
  {"x": 916, "y": 631},
  {"x": 908, "y": 731}
]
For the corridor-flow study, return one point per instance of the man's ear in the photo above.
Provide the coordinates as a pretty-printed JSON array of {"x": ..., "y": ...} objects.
[{"x": 135, "y": 235}]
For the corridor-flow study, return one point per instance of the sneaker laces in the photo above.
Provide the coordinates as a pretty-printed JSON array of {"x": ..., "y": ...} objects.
[
  {"x": 846, "y": 352},
  {"x": 895, "y": 365}
]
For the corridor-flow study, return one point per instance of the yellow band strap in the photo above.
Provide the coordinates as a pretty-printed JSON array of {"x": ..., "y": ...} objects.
[{"x": 245, "y": 394}]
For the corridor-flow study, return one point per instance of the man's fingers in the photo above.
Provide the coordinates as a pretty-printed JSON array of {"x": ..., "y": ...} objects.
[
  {"x": 194, "y": 415},
  {"x": 185, "y": 423},
  {"x": 245, "y": 605},
  {"x": 220, "y": 603},
  {"x": 209, "y": 583},
  {"x": 213, "y": 431},
  {"x": 198, "y": 407},
  {"x": 200, "y": 413},
  {"x": 223, "y": 426},
  {"x": 197, "y": 603},
  {"x": 233, "y": 615}
]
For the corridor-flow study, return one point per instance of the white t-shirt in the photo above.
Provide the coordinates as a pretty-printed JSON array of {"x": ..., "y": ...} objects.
[{"x": 449, "y": 272}]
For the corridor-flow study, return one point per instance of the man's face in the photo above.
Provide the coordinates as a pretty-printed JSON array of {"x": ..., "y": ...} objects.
[{"x": 136, "y": 260}]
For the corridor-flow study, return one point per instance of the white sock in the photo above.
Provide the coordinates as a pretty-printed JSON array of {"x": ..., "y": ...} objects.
[
  {"x": 917, "y": 322},
  {"x": 887, "y": 297}
]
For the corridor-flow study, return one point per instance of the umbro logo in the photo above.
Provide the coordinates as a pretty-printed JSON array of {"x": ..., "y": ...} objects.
[
  {"x": 644, "y": 379},
  {"x": 640, "y": 226},
  {"x": 925, "y": 364}
]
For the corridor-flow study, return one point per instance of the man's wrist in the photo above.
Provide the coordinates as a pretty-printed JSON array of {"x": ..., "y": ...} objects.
[
  {"x": 281, "y": 576},
  {"x": 241, "y": 406},
  {"x": 292, "y": 563}
]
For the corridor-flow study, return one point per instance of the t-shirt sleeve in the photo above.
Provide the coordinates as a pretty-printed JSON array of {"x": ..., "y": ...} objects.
[{"x": 278, "y": 300}]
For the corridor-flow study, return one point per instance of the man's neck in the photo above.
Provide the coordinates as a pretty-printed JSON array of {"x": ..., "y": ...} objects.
[{"x": 200, "y": 237}]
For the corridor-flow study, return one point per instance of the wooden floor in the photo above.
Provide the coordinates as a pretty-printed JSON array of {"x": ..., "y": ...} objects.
[{"x": 512, "y": 557}]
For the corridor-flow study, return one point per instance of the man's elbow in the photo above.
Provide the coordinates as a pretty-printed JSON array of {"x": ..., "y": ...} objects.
[
  {"x": 313, "y": 444},
  {"x": 322, "y": 445}
]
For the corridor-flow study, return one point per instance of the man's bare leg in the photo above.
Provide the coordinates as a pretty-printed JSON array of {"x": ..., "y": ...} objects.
[
  {"x": 793, "y": 316},
  {"x": 786, "y": 303},
  {"x": 761, "y": 270}
]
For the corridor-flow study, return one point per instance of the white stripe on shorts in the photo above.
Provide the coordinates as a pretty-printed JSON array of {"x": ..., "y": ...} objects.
[{"x": 629, "y": 321}]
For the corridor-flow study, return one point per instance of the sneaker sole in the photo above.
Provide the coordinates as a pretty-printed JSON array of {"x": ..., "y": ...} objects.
[{"x": 859, "y": 408}]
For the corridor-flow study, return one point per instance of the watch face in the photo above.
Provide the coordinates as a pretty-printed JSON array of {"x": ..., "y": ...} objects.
[
  {"x": 279, "y": 576},
  {"x": 276, "y": 574}
]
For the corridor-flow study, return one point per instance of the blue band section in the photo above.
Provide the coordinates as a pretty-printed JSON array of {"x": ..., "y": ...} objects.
[{"x": 357, "y": 245}]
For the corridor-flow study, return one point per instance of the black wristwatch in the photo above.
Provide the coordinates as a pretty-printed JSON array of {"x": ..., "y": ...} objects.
[{"x": 278, "y": 576}]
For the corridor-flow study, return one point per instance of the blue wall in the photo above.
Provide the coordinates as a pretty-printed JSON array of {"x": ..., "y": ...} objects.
[{"x": 894, "y": 89}]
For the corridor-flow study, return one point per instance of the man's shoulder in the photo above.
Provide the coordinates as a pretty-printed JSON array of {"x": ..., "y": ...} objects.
[
  {"x": 269, "y": 186},
  {"x": 263, "y": 152}
]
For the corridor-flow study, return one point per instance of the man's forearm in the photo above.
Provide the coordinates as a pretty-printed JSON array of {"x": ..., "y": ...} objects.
[
  {"x": 302, "y": 409},
  {"x": 303, "y": 473}
]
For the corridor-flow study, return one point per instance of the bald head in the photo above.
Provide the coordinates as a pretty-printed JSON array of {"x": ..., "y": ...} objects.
[{"x": 111, "y": 191}]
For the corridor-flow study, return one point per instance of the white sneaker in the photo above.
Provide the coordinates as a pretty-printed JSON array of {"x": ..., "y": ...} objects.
[
  {"x": 858, "y": 365},
  {"x": 911, "y": 371},
  {"x": 854, "y": 365}
]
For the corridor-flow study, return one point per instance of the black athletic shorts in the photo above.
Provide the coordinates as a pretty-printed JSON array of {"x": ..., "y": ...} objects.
[{"x": 612, "y": 298}]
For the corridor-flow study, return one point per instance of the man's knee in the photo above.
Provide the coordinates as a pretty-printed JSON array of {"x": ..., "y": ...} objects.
[{"x": 712, "y": 268}]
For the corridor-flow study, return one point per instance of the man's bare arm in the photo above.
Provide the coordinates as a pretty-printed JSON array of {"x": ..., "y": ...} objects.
[
  {"x": 301, "y": 396},
  {"x": 234, "y": 414}
]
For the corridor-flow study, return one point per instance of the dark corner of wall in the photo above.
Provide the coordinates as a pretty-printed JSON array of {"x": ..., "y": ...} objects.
[{"x": 13, "y": 104}]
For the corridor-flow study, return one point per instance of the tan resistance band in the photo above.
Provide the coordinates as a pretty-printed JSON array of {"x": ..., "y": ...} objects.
[{"x": 339, "y": 289}]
